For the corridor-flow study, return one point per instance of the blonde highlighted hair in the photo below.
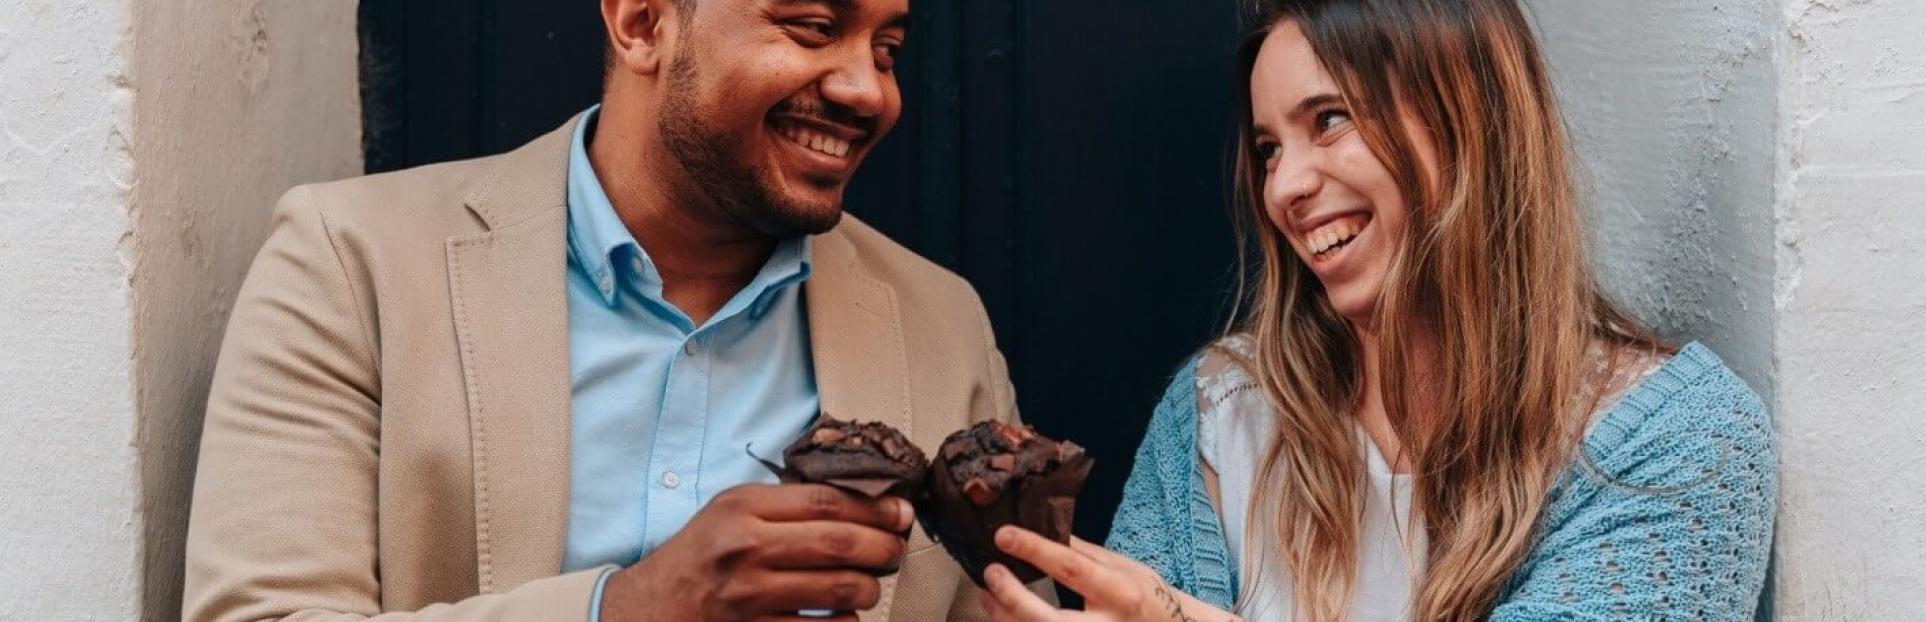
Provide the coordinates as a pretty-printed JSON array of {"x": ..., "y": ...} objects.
[{"x": 1491, "y": 283}]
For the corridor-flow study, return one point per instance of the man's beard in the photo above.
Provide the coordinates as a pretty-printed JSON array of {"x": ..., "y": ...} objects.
[{"x": 739, "y": 191}]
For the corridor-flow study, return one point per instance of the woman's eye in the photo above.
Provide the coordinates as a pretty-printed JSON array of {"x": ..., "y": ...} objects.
[
  {"x": 1266, "y": 151},
  {"x": 1331, "y": 120}
]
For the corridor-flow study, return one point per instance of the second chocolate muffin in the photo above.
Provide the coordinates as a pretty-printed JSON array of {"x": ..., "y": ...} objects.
[{"x": 994, "y": 474}]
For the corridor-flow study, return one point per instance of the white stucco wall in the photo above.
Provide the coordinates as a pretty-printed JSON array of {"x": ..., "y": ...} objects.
[
  {"x": 67, "y": 457},
  {"x": 142, "y": 145},
  {"x": 235, "y": 101},
  {"x": 1672, "y": 106},
  {"x": 1760, "y": 167},
  {"x": 1851, "y": 299}
]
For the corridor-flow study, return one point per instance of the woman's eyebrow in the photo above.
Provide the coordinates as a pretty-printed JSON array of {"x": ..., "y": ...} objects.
[{"x": 1312, "y": 103}]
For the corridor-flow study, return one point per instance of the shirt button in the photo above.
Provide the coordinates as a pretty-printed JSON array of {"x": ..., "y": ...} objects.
[
  {"x": 637, "y": 264},
  {"x": 670, "y": 480},
  {"x": 689, "y": 347},
  {"x": 606, "y": 282}
]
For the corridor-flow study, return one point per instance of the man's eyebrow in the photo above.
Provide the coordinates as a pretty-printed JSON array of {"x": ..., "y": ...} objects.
[
  {"x": 901, "y": 20},
  {"x": 840, "y": 6}
]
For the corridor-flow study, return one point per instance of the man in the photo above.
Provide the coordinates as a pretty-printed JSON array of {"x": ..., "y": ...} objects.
[{"x": 521, "y": 387}]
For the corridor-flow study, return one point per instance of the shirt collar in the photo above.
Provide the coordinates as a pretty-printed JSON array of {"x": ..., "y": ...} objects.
[
  {"x": 788, "y": 265},
  {"x": 595, "y": 233},
  {"x": 597, "y": 238}
]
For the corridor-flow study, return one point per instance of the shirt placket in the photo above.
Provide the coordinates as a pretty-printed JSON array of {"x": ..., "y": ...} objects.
[{"x": 676, "y": 457}]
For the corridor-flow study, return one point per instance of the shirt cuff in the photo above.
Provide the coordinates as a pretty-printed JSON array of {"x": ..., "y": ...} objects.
[{"x": 595, "y": 598}]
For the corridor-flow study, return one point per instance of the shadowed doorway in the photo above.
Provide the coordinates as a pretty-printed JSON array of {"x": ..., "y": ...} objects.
[{"x": 1065, "y": 157}]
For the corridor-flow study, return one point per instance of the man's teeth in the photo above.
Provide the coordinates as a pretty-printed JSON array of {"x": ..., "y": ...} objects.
[
  {"x": 817, "y": 141},
  {"x": 1329, "y": 236}
]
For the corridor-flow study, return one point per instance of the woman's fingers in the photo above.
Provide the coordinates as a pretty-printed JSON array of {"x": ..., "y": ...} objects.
[
  {"x": 1016, "y": 602},
  {"x": 1096, "y": 552},
  {"x": 995, "y": 609},
  {"x": 1071, "y": 569}
]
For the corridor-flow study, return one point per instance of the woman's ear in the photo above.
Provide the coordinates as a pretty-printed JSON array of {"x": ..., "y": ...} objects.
[{"x": 639, "y": 33}]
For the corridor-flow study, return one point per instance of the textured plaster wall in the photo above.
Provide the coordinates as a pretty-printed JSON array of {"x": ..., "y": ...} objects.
[
  {"x": 68, "y": 515},
  {"x": 235, "y": 102},
  {"x": 142, "y": 145},
  {"x": 1851, "y": 231},
  {"x": 1672, "y": 108},
  {"x": 1760, "y": 167}
]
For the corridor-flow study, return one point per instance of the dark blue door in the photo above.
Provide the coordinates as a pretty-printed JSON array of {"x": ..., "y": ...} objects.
[{"x": 1066, "y": 156}]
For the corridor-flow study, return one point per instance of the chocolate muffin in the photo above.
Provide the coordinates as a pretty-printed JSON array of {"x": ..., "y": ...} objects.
[
  {"x": 994, "y": 474},
  {"x": 871, "y": 459}
]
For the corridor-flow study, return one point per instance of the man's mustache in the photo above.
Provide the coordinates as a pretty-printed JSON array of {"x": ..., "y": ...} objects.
[{"x": 827, "y": 112}]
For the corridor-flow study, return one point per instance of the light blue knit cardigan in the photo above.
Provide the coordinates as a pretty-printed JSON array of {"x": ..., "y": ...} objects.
[{"x": 1670, "y": 518}]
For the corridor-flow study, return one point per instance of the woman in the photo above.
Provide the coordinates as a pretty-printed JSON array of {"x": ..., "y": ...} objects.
[{"x": 1426, "y": 409}]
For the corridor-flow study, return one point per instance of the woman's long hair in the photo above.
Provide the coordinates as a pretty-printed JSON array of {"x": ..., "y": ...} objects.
[{"x": 1491, "y": 278}]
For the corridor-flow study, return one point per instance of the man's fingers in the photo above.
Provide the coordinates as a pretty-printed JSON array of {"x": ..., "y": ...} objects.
[
  {"x": 1071, "y": 569},
  {"x": 831, "y": 545},
  {"x": 817, "y": 502},
  {"x": 831, "y": 590},
  {"x": 1010, "y": 600}
]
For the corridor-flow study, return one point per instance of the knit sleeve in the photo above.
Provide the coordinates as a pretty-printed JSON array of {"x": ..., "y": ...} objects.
[
  {"x": 1140, "y": 529},
  {"x": 1668, "y": 516},
  {"x": 1166, "y": 521}
]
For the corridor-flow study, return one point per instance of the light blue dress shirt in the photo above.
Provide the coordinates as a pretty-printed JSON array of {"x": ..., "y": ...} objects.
[{"x": 663, "y": 408}]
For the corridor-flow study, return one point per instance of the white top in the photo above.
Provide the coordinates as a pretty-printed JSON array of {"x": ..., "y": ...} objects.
[{"x": 1235, "y": 425}]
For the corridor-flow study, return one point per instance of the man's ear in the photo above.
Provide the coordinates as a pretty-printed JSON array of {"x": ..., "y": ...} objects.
[{"x": 639, "y": 32}]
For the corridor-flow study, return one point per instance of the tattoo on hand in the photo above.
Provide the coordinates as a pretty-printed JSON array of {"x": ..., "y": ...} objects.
[
  {"x": 1172, "y": 607},
  {"x": 1175, "y": 609}
]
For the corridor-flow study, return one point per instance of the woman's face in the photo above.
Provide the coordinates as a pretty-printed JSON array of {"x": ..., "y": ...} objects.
[{"x": 1338, "y": 206}]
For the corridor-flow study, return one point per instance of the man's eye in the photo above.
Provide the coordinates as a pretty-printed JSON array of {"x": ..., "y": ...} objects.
[
  {"x": 815, "y": 29},
  {"x": 886, "y": 55},
  {"x": 1331, "y": 120}
]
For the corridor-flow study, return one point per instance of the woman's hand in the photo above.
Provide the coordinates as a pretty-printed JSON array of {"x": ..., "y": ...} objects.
[{"x": 1114, "y": 588}]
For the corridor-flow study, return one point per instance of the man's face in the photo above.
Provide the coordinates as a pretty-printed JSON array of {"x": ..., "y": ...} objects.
[{"x": 772, "y": 104}]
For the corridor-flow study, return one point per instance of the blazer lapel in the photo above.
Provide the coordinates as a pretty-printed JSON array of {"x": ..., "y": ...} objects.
[
  {"x": 508, "y": 292},
  {"x": 856, "y": 338}
]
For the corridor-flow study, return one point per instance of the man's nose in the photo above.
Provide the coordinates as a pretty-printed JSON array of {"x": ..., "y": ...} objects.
[{"x": 858, "y": 85}]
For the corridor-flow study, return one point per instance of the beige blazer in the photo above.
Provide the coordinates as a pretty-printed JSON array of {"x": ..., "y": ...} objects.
[{"x": 388, "y": 429}]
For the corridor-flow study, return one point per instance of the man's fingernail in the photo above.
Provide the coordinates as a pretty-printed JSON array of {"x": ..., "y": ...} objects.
[
  {"x": 993, "y": 573},
  {"x": 906, "y": 512},
  {"x": 1004, "y": 536}
]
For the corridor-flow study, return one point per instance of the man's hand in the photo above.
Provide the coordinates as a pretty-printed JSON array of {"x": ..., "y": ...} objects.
[{"x": 761, "y": 552}]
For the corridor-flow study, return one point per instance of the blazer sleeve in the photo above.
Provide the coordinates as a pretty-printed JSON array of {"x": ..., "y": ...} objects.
[{"x": 283, "y": 522}]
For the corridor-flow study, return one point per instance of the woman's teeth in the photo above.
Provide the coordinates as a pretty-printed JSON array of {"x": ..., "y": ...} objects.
[
  {"x": 1333, "y": 235},
  {"x": 815, "y": 141}
]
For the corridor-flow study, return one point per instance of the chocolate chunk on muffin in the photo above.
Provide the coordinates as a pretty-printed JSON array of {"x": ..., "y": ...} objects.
[
  {"x": 994, "y": 474},
  {"x": 872, "y": 459}
]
